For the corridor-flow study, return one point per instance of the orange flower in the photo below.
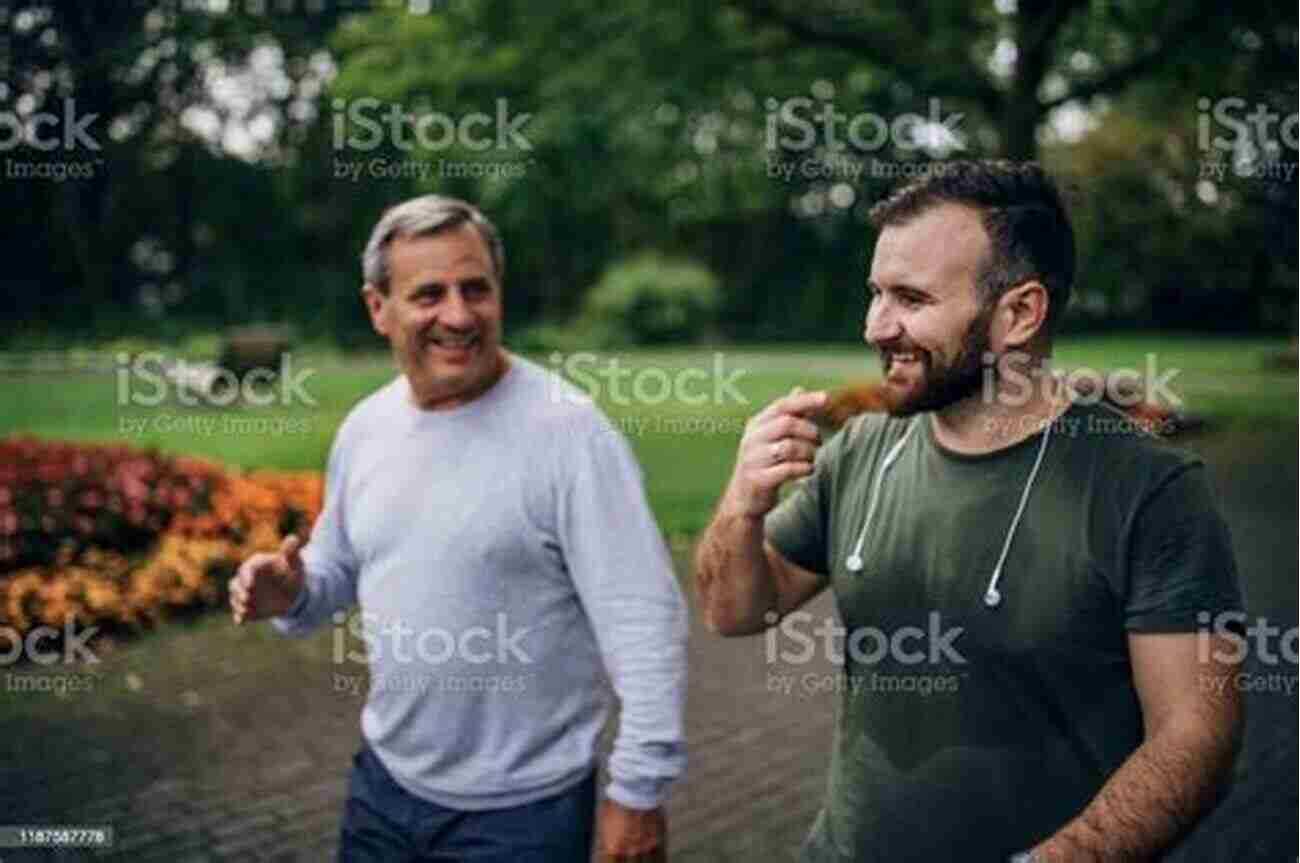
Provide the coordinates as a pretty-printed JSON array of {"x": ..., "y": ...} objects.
[
  {"x": 204, "y": 521},
  {"x": 22, "y": 598}
]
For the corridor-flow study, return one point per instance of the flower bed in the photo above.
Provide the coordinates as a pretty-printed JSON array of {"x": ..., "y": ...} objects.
[{"x": 118, "y": 537}]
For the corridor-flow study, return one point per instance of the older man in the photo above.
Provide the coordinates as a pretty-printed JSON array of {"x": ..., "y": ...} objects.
[
  {"x": 492, "y": 526},
  {"x": 1042, "y": 571}
]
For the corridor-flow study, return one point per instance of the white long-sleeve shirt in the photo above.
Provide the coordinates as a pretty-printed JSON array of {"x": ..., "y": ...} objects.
[{"x": 506, "y": 566}]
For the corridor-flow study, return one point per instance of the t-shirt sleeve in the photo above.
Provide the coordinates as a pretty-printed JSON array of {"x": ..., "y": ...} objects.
[
  {"x": 799, "y": 526},
  {"x": 1181, "y": 567}
]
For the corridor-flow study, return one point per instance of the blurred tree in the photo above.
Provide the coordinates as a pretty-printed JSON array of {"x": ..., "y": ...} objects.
[
  {"x": 120, "y": 120},
  {"x": 1180, "y": 232},
  {"x": 247, "y": 146},
  {"x": 1015, "y": 61},
  {"x": 683, "y": 127},
  {"x": 646, "y": 126}
]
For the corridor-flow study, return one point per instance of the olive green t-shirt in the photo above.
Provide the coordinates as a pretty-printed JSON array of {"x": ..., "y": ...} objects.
[{"x": 987, "y": 728}]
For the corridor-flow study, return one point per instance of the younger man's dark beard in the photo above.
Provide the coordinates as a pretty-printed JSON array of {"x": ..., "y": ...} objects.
[{"x": 956, "y": 381}]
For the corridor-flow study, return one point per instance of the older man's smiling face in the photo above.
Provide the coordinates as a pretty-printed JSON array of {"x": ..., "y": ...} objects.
[{"x": 442, "y": 315}]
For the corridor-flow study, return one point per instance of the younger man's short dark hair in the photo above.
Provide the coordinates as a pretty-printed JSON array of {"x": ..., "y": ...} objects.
[{"x": 1029, "y": 231}]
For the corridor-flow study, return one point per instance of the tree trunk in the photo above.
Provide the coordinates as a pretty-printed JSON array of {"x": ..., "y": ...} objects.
[{"x": 1021, "y": 110}]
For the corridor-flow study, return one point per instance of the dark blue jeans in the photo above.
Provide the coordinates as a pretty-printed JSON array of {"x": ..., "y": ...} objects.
[{"x": 383, "y": 823}]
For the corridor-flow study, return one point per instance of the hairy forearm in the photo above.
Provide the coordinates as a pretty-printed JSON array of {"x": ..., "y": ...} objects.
[
  {"x": 733, "y": 578},
  {"x": 1155, "y": 796}
]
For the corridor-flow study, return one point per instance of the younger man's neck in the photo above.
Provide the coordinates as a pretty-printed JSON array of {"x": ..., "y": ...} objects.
[{"x": 989, "y": 421}]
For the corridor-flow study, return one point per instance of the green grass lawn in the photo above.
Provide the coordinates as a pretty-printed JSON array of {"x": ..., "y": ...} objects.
[{"x": 686, "y": 450}]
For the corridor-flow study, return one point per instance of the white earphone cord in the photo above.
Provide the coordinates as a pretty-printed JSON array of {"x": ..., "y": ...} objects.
[
  {"x": 992, "y": 597},
  {"x": 854, "y": 562}
]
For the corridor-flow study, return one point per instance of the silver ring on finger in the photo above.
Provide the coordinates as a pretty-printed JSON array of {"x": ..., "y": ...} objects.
[{"x": 776, "y": 452}]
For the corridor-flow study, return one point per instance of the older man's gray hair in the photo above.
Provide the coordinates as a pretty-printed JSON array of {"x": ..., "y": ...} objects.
[{"x": 427, "y": 214}]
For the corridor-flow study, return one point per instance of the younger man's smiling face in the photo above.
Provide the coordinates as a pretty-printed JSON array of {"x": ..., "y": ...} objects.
[{"x": 925, "y": 317}]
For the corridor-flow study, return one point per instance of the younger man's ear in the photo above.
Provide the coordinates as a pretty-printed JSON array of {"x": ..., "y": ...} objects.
[{"x": 1021, "y": 315}]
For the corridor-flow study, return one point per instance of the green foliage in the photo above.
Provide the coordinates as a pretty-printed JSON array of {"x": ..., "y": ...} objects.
[
  {"x": 653, "y": 299},
  {"x": 647, "y": 125},
  {"x": 1170, "y": 232},
  {"x": 545, "y": 337}
]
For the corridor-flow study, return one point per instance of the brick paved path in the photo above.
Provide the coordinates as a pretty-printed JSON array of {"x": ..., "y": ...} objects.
[
  {"x": 251, "y": 764},
  {"x": 211, "y": 743}
]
